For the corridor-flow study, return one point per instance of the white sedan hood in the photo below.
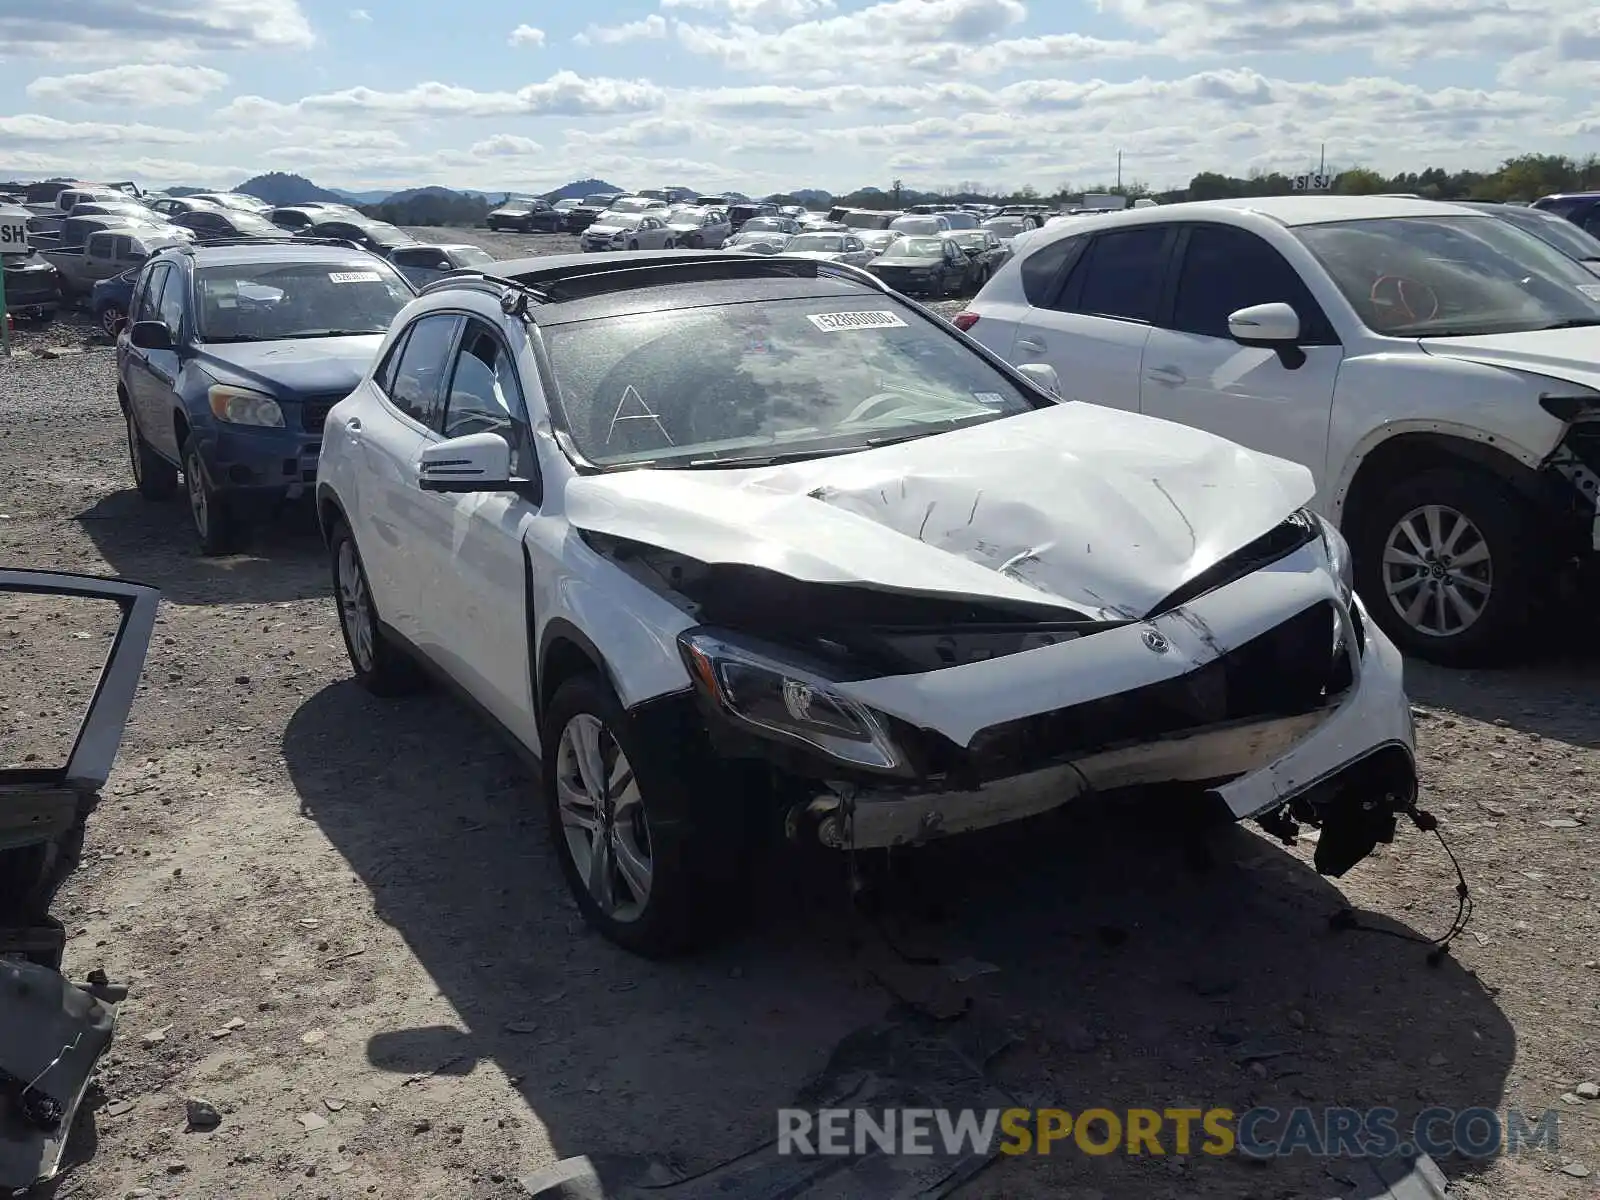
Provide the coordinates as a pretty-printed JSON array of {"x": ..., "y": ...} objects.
[
  {"x": 1103, "y": 511},
  {"x": 1572, "y": 354}
]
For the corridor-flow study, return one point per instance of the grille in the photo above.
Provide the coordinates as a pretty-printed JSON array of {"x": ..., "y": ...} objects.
[
  {"x": 1292, "y": 668},
  {"x": 314, "y": 411}
]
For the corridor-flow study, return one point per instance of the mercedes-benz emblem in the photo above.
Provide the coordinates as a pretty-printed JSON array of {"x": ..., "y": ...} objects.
[{"x": 1155, "y": 642}]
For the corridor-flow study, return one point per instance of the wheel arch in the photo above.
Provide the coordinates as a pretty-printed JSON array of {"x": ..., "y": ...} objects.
[
  {"x": 565, "y": 652},
  {"x": 1412, "y": 452},
  {"x": 329, "y": 510}
]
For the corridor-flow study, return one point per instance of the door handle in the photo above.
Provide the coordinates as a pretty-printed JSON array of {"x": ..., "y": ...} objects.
[
  {"x": 1167, "y": 375},
  {"x": 1029, "y": 344}
]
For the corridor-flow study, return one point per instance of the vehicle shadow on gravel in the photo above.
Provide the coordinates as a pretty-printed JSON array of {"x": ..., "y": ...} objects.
[
  {"x": 1129, "y": 974},
  {"x": 1555, "y": 695},
  {"x": 153, "y": 541}
]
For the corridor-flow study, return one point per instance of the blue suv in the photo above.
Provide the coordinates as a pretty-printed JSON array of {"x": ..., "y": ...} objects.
[{"x": 231, "y": 357}]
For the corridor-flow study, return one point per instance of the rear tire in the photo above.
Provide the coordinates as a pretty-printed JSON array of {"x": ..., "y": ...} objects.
[
  {"x": 1450, "y": 564},
  {"x": 153, "y": 476},
  {"x": 380, "y": 666}
]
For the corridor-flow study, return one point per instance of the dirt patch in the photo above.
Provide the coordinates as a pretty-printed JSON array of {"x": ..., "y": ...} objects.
[{"x": 344, "y": 928}]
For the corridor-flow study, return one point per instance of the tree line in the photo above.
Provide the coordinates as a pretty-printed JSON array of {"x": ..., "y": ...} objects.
[{"x": 1523, "y": 178}]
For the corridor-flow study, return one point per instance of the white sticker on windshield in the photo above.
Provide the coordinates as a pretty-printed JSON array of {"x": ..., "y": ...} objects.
[
  {"x": 354, "y": 276},
  {"x": 837, "y": 322},
  {"x": 992, "y": 399},
  {"x": 1591, "y": 290}
]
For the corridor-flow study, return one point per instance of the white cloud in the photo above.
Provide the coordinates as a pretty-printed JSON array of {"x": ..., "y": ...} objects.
[
  {"x": 31, "y": 129},
  {"x": 526, "y": 35},
  {"x": 564, "y": 94},
  {"x": 150, "y": 30},
  {"x": 756, "y": 11},
  {"x": 648, "y": 28},
  {"x": 361, "y": 16},
  {"x": 894, "y": 37},
  {"x": 506, "y": 145},
  {"x": 130, "y": 86}
]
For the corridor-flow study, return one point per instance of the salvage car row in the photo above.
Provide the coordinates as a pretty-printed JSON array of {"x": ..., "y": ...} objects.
[{"x": 759, "y": 520}]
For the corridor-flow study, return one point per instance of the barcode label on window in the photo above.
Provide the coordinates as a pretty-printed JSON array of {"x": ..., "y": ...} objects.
[
  {"x": 354, "y": 276},
  {"x": 837, "y": 322}
]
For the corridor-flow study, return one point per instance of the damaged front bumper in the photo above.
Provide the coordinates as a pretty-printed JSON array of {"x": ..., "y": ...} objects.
[
  {"x": 1274, "y": 698},
  {"x": 1349, "y": 763}
]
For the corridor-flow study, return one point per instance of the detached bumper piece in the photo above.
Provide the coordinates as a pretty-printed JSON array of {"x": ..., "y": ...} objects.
[{"x": 51, "y": 1035}]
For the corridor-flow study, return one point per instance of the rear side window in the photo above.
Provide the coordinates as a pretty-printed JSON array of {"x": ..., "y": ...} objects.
[
  {"x": 417, "y": 384},
  {"x": 1122, "y": 274},
  {"x": 1044, "y": 270},
  {"x": 148, "y": 293},
  {"x": 1227, "y": 269},
  {"x": 172, "y": 299}
]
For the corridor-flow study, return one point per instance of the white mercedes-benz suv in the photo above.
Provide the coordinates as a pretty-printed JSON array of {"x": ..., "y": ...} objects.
[{"x": 736, "y": 542}]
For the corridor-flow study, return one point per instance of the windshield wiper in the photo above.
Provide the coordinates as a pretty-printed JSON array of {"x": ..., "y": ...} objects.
[
  {"x": 1572, "y": 323},
  {"x": 772, "y": 460},
  {"x": 231, "y": 339},
  {"x": 322, "y": 333}
]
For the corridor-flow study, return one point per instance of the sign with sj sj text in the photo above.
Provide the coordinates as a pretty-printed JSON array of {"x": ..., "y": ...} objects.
[{"x": 1312, "y": 183}]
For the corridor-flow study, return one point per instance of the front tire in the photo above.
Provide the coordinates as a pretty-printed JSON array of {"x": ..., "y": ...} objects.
[
  {"x": 109, "y": 316},
  {"x": 215, "y": 525},
  {"x": 153, "y": 476},
  {"x": 633, "y": 245},
  {"x": 1450, "y": 564},
  {"x": 379, "y": 665},
  {"x": 619, "y": 818}
]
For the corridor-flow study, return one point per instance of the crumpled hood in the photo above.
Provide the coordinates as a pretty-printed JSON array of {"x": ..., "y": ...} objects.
[
  {"x": 313, "y": 366},
  {"x": 1560, "y": 353},
  {"x": 1101, "y": 510}
]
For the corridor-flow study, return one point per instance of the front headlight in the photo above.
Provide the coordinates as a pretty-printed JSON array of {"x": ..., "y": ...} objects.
[
  {"x": 783, "y": 701},
  {"x": 241, "y": 406},
  {"x": 1339, "y": 562}
]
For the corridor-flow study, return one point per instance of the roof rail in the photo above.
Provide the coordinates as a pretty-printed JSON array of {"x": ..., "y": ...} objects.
[
  {"x": 575, "y": 282},
  {"x": 287, "y": 240}
]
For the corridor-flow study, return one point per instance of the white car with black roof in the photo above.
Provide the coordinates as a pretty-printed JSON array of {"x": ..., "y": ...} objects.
[{"x": 737, "y": 543}]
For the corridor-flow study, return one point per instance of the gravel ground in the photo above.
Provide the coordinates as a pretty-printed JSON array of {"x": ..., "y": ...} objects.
[{"x": 342, "y": 925}]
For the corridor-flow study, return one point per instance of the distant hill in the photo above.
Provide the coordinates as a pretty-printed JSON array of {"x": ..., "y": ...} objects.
[
  {"x": 430, "y": 206},
  {"x": 579, "y": 188},
  {"x": 813, "y": 197},
  {"x": 275, "y": 187},
  {"x": 362, "y": 197}
]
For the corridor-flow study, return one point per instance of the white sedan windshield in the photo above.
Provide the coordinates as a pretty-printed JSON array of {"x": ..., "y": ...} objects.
[{"x": 689, "y": 386}]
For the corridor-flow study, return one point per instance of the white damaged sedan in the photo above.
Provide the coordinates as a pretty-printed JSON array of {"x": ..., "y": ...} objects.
[{"x": 726, "y": 540}]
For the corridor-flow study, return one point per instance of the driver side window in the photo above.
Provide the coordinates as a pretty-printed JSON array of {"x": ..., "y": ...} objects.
[{"x": 484, "y": 394}]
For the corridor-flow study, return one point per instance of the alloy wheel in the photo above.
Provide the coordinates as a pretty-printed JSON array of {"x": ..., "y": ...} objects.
[
  {"x": 109, "y": 319},
  {"x": 199, "y": 502},
  {"x": 355, "y": 607},
  {"x": 603, "y": 818},
  {"x": 1437, "y": 570},
  {"x": 133, "y": 449}
]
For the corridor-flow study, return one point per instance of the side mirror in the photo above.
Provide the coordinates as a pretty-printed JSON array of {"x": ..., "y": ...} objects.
[
  {"x": 151, "y": 335},
  {"x": 1274, "y": 326},
  {"x": 478, "y": 462},
  {"x": 1042, "y": 376},
  {"x": 1270, "y": 325}
]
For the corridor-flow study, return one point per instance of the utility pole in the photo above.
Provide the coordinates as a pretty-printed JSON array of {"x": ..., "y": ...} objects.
[
  {"x": 1119, "y": 170},
  {"x": 1322, "y": 162}
]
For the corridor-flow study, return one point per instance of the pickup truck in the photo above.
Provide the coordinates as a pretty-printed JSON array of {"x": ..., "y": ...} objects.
[{"x": 105, "y": 253}]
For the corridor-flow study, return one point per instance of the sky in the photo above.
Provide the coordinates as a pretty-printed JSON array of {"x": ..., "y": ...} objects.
[{"x": 771, "y": 95}]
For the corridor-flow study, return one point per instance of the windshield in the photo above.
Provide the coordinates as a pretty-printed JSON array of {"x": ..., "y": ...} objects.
[
  {"x": 249, "y": 226},
  {"x": 917, "y": 247},
  {"x": 969, "y": 241},
  {"x": 265, "y": 302},
  {"x": 618, "y": 220},
  {"x": 471, "y": 256},
  {"x": 1558, "y": 231},
  {"x": 699, "y": 386},
  {"x": 1004, "y": 227},
  {"x": 516, "y": 206},
  {"x": 818, "y": 242},
  {"x": 564, "y": 205},
  {"x": 1452, "y": 276},
  {"x": 916, "y": 224},
  {"x": 866, "y": 220},
  {"x": 634, "y": 205},
  {"x": 599, "y": 200}
]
